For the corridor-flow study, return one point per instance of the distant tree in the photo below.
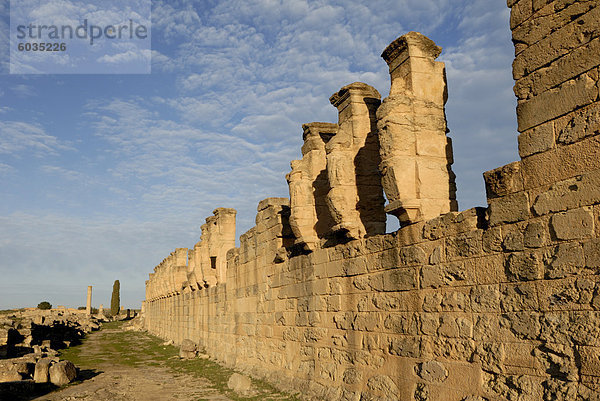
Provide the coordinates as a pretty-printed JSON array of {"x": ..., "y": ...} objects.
[
  {"x": 44, "y": 305},
  {"x": 81, "y": 308},
  {"x": 115, "y": 301}
]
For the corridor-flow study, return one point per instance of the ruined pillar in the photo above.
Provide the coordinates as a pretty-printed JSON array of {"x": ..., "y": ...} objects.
[
  {"x": 88, "y": 305},
  {"x": 194, "y": 273},
  {"x": 179, "y": 269},
  {"x": 415, "y": 153},
  {"x": 218, "y": 236},
  {"x": 355, "y": 199},
  {"x": 310, "y": 219},
  {"x": 272, "y": 231}
]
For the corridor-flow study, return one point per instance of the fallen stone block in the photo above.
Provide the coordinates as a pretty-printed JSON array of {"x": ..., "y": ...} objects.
[
  {"x": 188, "y": 349},
  {"x": 10, "y": 376},
  {"x": 42, "y": 371},
  {"x": 240, "y": 384},
  {"x": 62, "y": 373}
]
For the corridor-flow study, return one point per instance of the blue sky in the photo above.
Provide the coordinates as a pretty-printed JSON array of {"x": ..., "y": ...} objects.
[{"x": 103, "y": 175}]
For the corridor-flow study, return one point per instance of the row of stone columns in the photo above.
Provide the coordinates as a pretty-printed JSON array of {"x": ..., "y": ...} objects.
[
  {"x": 203, "y": 266},
  {"x": 398, "y": 146}
]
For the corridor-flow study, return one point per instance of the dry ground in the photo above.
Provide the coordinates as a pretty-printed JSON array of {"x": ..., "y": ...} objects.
[{"x": 120, "y": 365}]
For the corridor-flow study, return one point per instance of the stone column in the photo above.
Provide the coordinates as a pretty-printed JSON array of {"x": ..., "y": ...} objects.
[
  {"x": 179, "y": 268},
  {"x": 416, "y": 154},
  {"x": 88, "y": 305},
  {"x": 218, "y": 236},
  {"x": 310, "y": 219},
  {"x": 355, "y": 199}
]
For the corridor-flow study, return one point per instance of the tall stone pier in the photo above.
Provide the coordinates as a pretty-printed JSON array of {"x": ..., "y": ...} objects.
[
  {"x": 416, "y": 154},
  {"x": 88, "y": 305},
  {"x": 355, "y": 197},
  {"x": 310, "y": 218}
]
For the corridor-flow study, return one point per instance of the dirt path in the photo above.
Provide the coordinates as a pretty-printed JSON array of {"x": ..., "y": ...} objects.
[{"x": 117, "y": 365}]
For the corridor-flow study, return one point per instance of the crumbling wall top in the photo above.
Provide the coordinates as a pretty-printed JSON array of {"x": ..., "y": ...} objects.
[
  {"x": 356, "y": 88},
  {"x": 414, "y": 44}
]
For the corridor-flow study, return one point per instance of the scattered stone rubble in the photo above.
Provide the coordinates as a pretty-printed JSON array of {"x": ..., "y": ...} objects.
[
  {"x": 30, "y": 340},
  {"x": 489, "y": 304}
]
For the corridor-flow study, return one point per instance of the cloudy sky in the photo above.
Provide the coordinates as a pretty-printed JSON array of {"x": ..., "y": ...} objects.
[{"x": 102, "y": 176}]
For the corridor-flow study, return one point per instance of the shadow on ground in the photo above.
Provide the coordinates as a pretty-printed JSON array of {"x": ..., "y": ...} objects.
[{"x": 29, "y": 390}]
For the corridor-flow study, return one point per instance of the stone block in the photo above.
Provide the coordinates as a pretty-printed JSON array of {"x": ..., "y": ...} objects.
[
  {"x": 525, "y": 325},
  {"x": 62, "y": 373},
  {"x": 573, "y": 224},
  {"x": 560, "y": 42},
  {"x": 520, "y": 12},
  {"x": 413, "y": 255},
  {"x": 42, "y": 371},
  {"x": 591, "y": 250},
  {"x": 401, "y": 323},
  {"x": 10, "y": 376},
  {"x": 571, "y": 293},
  {"x": 432, "y": 371},
  {"x": 536, "y": 234},
  {"x": 188, "y": 349},
  {"x": 402, "y": 279},
  {"x": 448, "y": 274},
  {"x": 513, "y": 240},
  {"x": 590, "y": 361},
  {"x": 240, "y": 384},
  {"x": 556, "y": 102},
  {"x": 561, "y": 163},
  {"x": 578, "y": 125},
  {"x": 455, "y": 326},
  {"x": 579, "y": 191},
  {"x": 464, "y": 245},
  {"x": 485, "y": 298},
  {"x": 567, "y": 259},
  {"x": 508, "y": 209},
  {"x": 565, "y": 68},
  {"x": 492, "y": 240},
  {"x": 487, "y": 269},
  {"x": 524, "y": 266},
  {"x": 406, "y": 346},
  {"x": 503, "y": 181},
  {"x": 536, "y": 140},
  {"x": 547, "y": 19}
]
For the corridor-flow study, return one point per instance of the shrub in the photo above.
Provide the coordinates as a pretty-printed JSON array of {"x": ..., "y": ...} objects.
[
  {"x": 115, "y": 300},
  {"x": 44, "y": 305}
]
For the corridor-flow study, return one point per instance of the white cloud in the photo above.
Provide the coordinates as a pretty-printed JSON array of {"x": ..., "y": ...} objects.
[
  {"x": 68, "y": 174},
  {"x": 130, "y": 56},
  {"x": 6, "y": 169},
  {"x": 17, "y": 138},
  {"x": 22, "y": 90}
]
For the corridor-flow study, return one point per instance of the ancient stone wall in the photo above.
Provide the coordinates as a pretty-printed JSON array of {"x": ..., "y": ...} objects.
[{"x": 496, "y": 303}]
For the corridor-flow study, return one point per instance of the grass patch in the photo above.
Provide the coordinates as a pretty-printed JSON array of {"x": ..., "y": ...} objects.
[
  {"x": 134, "y": 349},
  {"x": 219, "y": 376}
]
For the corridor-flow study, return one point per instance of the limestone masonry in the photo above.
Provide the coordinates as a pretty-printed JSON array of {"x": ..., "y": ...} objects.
[{"x": 496, "y": 303}]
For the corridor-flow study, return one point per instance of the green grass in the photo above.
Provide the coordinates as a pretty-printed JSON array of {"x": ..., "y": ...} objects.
[
  {"x": 134, "y": 349},
  {"x": 219, "y": 376}
]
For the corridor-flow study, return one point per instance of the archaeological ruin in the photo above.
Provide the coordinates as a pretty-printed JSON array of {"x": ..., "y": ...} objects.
[{"x": 495, "y": 303}]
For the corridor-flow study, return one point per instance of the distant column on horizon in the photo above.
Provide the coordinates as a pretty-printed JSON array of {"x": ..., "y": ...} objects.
[{"x": 88, "y": 305}]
